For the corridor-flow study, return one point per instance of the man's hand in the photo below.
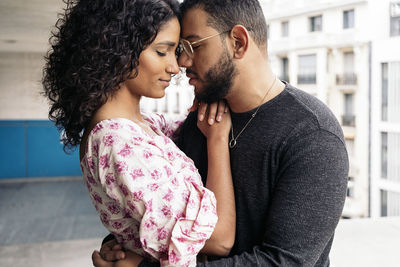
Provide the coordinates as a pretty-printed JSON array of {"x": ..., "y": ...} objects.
[
  {"x": 112, "y": 255},
  {"x": 109, "y": 252}
]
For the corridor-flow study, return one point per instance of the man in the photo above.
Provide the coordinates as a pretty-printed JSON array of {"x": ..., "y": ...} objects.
[{"x": 288, "y": 157}]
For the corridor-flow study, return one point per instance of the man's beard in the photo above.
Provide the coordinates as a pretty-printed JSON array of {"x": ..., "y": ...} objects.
[{"x": 218, "y": 80}]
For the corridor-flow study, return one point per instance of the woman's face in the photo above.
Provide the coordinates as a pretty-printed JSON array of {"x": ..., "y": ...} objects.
[{"x": 157, "y": 63}]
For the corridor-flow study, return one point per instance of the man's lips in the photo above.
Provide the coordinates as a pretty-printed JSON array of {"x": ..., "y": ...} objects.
[
  {"x": 191, "y": 74},
  {"x": 192, "y": 78}
]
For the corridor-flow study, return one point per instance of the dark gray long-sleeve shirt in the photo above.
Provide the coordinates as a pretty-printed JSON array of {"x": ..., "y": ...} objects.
[{"x": 289, "y": 171}]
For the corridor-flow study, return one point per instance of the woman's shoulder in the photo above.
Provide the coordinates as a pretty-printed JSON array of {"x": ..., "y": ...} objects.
[
  {"x": 117, "y": 126},
  {"x": 110, "y": 132}
]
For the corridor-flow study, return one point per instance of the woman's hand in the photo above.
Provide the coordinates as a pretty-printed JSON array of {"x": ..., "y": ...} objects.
[
  {"x": 215, "y": 110},
  {"x": 218, "y": 131}
]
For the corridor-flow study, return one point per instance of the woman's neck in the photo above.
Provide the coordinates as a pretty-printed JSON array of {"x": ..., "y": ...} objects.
[{"x": 121, "y": 105}]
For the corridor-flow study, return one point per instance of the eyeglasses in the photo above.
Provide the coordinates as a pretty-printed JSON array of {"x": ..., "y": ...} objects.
[{"x": 187, "y": 46}]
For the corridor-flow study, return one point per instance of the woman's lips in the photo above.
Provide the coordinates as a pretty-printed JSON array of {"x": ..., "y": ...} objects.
[{"x": 165, "y": 83}]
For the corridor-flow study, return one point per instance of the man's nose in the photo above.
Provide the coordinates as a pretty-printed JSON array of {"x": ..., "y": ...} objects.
[{"x": 184, "y": 60}]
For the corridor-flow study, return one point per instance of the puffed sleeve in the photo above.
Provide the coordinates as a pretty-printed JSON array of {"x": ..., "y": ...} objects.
[
  {"x": 177, "y": 213},
  {"x": 167, "y": 124}
]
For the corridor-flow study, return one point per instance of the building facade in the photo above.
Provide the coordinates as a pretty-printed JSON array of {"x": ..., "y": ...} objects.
[
  {"x": 385, "y": 101},
  {"x": 29, "y": 142},
  {"x": 335, "y": 50}
]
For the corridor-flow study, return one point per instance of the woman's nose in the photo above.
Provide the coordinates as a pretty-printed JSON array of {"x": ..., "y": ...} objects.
[{"x": 173, "y": 67}]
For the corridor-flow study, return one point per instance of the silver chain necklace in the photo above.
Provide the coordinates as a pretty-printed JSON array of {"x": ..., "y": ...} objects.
[{"x": 232, "y": 142}]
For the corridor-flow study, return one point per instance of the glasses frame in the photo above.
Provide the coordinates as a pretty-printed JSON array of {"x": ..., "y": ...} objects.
[{"x": 191, "y": 52}]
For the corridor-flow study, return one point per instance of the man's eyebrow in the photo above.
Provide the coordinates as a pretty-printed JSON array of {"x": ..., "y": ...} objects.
[
  {"x": 168, "y": 43},
  {"x": 192, "y": 36}
]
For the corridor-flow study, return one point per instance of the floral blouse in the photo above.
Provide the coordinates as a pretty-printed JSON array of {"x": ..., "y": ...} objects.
[{"x": 148, "y": 193}]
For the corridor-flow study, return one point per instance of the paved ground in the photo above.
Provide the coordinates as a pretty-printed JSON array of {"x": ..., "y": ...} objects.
[
  {"x": 367, "y": 243},
  {"x": 46, "y": 210},
  {"x": 50, "y": 223}
]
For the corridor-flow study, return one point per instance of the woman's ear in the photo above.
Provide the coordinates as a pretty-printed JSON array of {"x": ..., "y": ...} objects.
[{"x": 240, "y": 41}]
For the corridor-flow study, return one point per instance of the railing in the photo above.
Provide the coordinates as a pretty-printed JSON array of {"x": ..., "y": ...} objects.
[
  {"x": 307, "y": 79},
  {"x": 349, "y": 120},
  {"x": 346, "y": 79}
]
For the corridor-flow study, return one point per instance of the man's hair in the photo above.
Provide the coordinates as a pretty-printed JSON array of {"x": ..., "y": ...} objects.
[{"x": 225, "y": 14}]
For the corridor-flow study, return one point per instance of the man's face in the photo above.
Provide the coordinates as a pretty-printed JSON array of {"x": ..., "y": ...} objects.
[{"x": 210, "y": 68}]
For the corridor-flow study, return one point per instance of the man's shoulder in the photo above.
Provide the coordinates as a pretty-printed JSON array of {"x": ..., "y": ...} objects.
[{"x": 309, "y": 111}]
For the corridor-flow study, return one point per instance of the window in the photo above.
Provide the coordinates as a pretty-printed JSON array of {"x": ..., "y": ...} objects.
[
  {"x": 285, "y": 28},
  {"x": 350, "y": 187},
  {"x": 395, "y": 18},
  {"x": 284, "y": 69},
  {"x": 349, "y": 76},
  {"x": 165, "y": 110},
  {"x": 348, "y": 118},
  {"x": 315, "y": 24},
  {"x": 307, "y": 72},
  {"x": 348, "y": 19},
  {"x": 384, "y": 155},
  {"x": 385, "y": 99},
  {"x": 390, "y": 203},
  {"x": 350, "y": 147},
  {"x": 384, "y": 207},
  {"x": 177, "y": 103}
]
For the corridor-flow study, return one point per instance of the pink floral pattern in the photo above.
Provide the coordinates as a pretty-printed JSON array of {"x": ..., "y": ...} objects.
[{"x": 147, "y": 192}]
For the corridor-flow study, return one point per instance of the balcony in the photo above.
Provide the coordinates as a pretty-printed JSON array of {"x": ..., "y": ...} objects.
[
  {"x": 346, "y": 79},
  {"x": 306, "y": 79},
  {"x": 348, "y": 120}
]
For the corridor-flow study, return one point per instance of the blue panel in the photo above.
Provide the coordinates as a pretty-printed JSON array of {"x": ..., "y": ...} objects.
[
  {"x": 12, "y": 149},
  {"x": 45, "y": 152}
]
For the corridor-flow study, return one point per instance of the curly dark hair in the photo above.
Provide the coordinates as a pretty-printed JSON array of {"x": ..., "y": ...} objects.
[{"x": 95, "y": 47}]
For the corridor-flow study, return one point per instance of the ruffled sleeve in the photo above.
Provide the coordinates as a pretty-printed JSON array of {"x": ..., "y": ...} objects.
[
  {"x": 168, "y": 125},
  {"x": 176, "y": 213}
]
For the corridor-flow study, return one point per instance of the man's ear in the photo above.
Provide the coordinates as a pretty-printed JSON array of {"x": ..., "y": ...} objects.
[{"x": 240, "y": 41}]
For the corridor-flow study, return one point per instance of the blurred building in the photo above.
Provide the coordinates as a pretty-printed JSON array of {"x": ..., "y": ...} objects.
[
  {"x": 346, "y": 54},
  {"x": 29, "y": 142}
]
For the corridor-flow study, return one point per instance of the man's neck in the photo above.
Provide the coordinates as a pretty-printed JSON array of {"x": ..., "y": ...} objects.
[{"x": 253, "y": 88}]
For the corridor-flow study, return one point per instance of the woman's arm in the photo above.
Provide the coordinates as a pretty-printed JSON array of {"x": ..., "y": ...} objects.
[{"x": 219, "y": 180}]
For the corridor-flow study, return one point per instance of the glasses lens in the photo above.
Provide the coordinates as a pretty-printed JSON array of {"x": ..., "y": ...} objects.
[
  {"x": 179, "y": 50},
  {"x": 187, "y": 47}
]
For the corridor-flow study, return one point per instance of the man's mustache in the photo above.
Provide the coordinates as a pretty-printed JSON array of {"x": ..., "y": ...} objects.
[{"x": 189, "y": 71}]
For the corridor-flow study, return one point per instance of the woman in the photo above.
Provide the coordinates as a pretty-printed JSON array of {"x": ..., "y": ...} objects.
[{"x": 106, "y": 55}]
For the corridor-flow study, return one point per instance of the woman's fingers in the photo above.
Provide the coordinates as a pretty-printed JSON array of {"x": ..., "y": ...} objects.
[
  {"x": 215, "y": 111},
  {"x": 202, "y": 111},
  {"x": 222, "y": 108},
  {"x": 212, "y": 112}
]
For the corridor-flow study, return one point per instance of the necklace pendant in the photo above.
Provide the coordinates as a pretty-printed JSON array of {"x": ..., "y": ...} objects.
[{"x": 232, "y": 143}]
